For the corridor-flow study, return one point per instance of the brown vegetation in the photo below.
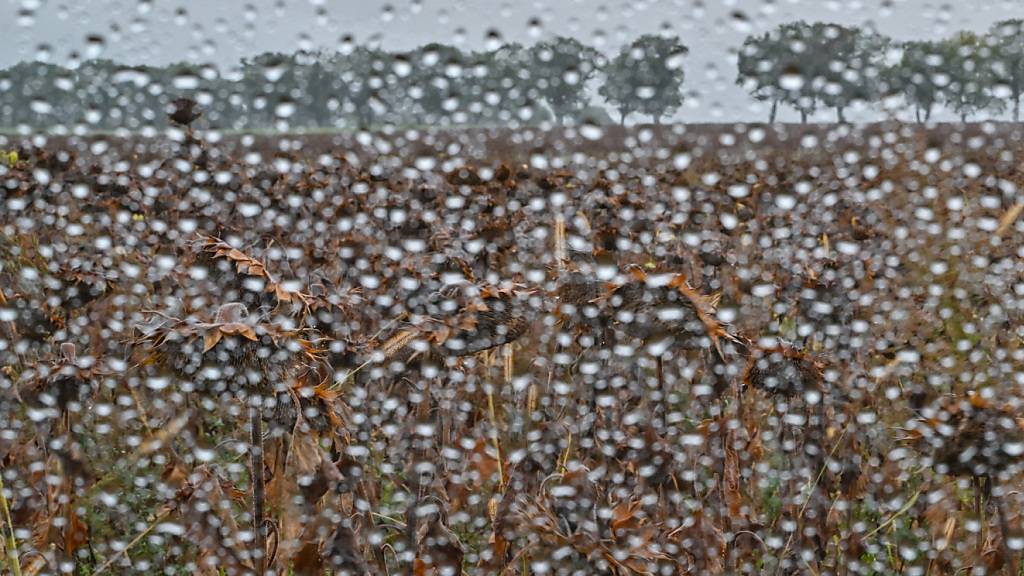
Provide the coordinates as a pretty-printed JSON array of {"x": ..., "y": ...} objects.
[{"x": 683, "y": 355}]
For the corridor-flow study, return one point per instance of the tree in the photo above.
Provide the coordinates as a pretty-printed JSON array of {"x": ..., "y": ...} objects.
[
  {"x": 506, "y": 89},
  {"x": 286, "y": 91},
  {"x": 759, "y": 66},
  {"x": 918, "y": 76},
  {"x": 854, "y": 67},
  {"x": 36, "y": 94},
  {"x": 617, "y": 89},
  {"x": 429, "y": 82},
  {"x": 1007, "y": 38},
  {"x": 561, "y": 69},
  {"x": 318, "y": 86},
  {"x": 808, "y": 65},
  {"x": 788, "y": 65},
  {"x": 646, "y": 77},
  {"x": 266, "y": 82},
  {"x": 362, "y": 76},
  {"x": 97, "y": 93},
  {"x": 967, "y": 61}
]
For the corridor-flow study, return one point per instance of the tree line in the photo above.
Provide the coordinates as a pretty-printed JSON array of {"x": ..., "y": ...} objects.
[
  {"x": 805, "y": 66},
  {"x": 357, "y": 86},
  {"x": 822, "y": 65}
]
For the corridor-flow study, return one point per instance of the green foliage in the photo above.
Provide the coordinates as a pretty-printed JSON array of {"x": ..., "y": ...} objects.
[
  {"x": 852, "y": 72},
  {"x": 431, "y": 82},
  {"x": 811, "y": 65},
  {"x": 967, "y": 59},
  {"x": 560, "y": 70},
  {"x": 506, "y": 87},
  {"x": 1006, "y": 39},
  {"x": 356, "y": 87},
  {"x": 917, "y": 76},
  {"x": 759, "y": 67},
  {"x": 646, "y": 77},
  {"x": 807, "y": 66}
]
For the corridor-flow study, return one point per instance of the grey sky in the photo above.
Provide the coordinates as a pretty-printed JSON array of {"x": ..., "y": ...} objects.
[{"x": 222, "y": 31}]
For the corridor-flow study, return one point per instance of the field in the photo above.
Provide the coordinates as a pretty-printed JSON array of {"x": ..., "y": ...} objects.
[{"x": 718, "y": 349}]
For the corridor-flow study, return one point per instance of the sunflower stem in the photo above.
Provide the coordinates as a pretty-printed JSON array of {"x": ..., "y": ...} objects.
[
  {"x": 1004, "y": 525},
  {"x": 492, "y": 414},
  {"x": 12, "y": 542},
  {"x": 979, "y": 512},
  {"x": 258, "y": 486}
]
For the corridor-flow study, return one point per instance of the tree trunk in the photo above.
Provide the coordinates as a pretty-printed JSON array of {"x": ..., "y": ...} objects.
[
  {"x": 963, "y": 117},
  {"x": 560, "y": 115},
  {"x": 771, "y": 114},
  {"x": 803, "y": 116},
  {"x": 622, "y": 117},
  {"x": 917, "y": 113},
  {"x": 1016, "y": 107},
  {"x": 839, "y": 115},
  {"x": 363, "y": 114},
  {"x": 928, "y": 112}
]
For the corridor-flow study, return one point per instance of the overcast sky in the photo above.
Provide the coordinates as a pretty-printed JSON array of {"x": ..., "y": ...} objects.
[{"x": 223, "y": 31}]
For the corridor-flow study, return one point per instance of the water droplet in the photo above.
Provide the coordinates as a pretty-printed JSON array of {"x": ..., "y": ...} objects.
[
  {"x": 791, "y": 81},
  {"x": 534, "y": 27},
  {"x": 185, "y": 81},
  {"x": 171, "y": 528},
  {"x": 785, "y": 201},
  {"x": 740, "y": 22},
  {"x": 285, "y": 109},
  {"x": 402, "y": 67},
  {"x": 492, "y": 40},
  {"x": 591, "y": 131},
  {"x": 94, "y": 46},
  {"x": 40, "y": 106}
]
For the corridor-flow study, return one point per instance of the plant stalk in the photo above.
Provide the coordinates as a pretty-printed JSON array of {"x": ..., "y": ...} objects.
[
  {"x": 12, "y": 542},
  {"x": 258, "y": 486},
  {"x": 1004, "y": 526}
]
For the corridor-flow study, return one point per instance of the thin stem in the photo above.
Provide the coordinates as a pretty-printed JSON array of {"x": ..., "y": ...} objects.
[
  {"x": 12, "y": 542},
  {"x": 660, "y": 366},
  {"x": 124, "y": 551},
  {"x": 821, "y": 471},
  {"x": 11, "y": 325},
  {"x": 1004, "y": 526},
  {"x": 522, "y": 554},
  {"x": 561, "y": 254},
  {"x": 565, "y": 456},
  {"x": 420, "y": 447},
  {"x": 494, "y": 436},
  {"x": 976, "y": 481},
  {"x": 810, "y": 493},
  {"x": 350, "y": 377},
  {"x": 258, "y": 486},
  {"x": 910, "y": 503}
]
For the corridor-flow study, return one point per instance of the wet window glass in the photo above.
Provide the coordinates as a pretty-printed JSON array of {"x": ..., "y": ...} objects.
[{"x": 632, "y": 288}]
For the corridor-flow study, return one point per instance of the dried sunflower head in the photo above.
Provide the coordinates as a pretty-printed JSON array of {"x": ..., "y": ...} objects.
[
  {"x": 783, "y": 370},
  {"x": 55, "y": 385},
  {"x": 235, "y": 351},
  {"x": 970, "y": 435},
  {"x": 184, "y": 111}
]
